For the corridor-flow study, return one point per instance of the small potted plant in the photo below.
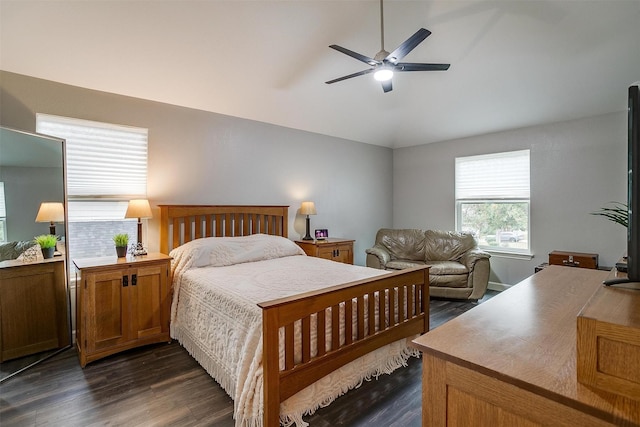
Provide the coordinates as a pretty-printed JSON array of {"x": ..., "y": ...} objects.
[
  {"x": 47, "y": 244},
  {"x": 121, "y": 241}
]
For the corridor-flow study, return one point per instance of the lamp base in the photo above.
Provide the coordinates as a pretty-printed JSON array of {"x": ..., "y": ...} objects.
[
  {"x": 139, "y": 250},
  {"x": 308, "y": 235}
]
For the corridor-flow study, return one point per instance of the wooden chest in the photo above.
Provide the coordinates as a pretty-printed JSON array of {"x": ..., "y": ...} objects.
[{"x": 574, "y": 259}]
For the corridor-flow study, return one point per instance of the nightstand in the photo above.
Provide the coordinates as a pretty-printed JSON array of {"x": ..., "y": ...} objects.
[
  {"x": 335, "y": 249},
  {"x": 33, "y": 307},
  {"x": 121, "y": 303}
]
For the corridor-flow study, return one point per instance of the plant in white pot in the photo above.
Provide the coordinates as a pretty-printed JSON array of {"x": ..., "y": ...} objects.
[
  {"x": 47, "y": 243},
  {"x": 122, "y": 241}
]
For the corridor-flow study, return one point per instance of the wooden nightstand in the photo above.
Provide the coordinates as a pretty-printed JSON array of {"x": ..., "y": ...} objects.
[
  {"x": 33, "y": 307},
  {"x": 340, "y": 250},
  {"x": 121, "y": 303}
]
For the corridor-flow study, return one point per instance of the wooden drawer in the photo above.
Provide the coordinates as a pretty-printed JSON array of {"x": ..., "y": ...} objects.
[{"x": 574, "y": 259}]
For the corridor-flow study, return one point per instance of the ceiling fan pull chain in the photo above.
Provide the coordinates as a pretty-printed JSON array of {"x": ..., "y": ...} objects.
[{"x": 381, "y": 27}]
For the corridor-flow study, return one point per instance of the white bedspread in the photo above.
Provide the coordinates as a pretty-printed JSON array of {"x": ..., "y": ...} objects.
[{"x": 216, "y": 318}]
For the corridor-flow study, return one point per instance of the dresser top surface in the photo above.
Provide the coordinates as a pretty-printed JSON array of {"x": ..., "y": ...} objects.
[{"x": 526, "y": 335}]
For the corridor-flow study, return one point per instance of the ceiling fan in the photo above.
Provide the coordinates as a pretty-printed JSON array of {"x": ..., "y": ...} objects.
[{"x": 384, "y": 64}]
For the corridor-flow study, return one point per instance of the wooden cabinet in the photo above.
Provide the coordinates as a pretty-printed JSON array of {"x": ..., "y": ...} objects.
[
  {"x": 511, "y": 361},
  {"x": 608, "y": 348},
  {"x": 340, "y": 250},
  {"x": 33, "y": 307},
  {"x": 121, "y": 303}
]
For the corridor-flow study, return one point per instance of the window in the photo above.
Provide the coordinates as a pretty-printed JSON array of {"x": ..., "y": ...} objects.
[
  {"x": 492, "y": 200},
  {"x": 106, "y": 166},
  {"x": 3, "y": 215}
]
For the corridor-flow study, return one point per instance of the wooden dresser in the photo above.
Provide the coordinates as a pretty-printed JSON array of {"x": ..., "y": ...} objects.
[
  {"x": 335, "y": 249},
  {"x": 121, "y": 303},
  {"x": 33, "y": 307},
  {"x": 512, "y": 361}
]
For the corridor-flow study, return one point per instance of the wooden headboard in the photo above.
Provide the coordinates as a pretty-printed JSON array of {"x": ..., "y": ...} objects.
[{"x": 180, "y": 224}]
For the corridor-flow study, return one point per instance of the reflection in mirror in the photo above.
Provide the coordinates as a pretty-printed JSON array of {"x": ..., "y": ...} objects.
[{"x": 34, "y": 297}]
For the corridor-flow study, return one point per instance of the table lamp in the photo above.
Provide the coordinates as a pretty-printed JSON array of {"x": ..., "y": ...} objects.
[
  {"x": 307, "y": 208},
  {"x": 139, "y": 208},
  {"x": 51, "y": 212}
]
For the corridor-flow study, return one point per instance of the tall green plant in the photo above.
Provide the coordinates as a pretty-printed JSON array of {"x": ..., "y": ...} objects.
[{"x": 618, "y": 213}]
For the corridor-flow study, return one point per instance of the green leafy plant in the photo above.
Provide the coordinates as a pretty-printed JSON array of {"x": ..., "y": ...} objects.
[
  {"x": 618, "y": 213},
  {"x": 121, "y": 240},
  {"x": 46, "y": 240}
]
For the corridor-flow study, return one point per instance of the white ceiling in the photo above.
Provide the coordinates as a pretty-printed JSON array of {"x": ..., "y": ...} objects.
[{"x": 513, "y": 63}]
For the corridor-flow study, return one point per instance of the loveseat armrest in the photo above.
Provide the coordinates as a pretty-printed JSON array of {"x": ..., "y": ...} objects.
[
  {"x": 477, "y": 262},
  {"x": 378, "y": 257},
  {"x": 472, "y": 256}
]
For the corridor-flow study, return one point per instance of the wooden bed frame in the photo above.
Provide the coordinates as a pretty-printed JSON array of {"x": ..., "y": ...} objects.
[{"x": 401, "y": 299}]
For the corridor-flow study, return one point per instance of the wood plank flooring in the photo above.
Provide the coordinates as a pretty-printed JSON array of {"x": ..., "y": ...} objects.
[{"x": 161, "y": 385}]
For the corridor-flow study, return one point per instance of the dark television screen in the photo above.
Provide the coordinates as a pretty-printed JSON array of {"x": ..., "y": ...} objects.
[{"x": 633, "y": 230}]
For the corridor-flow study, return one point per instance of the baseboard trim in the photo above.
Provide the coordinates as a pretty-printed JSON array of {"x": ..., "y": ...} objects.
[{"x": 495, "y": 286}]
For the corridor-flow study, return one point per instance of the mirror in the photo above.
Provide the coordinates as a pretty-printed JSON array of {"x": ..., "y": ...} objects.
[{"x": 34, "y": 294}]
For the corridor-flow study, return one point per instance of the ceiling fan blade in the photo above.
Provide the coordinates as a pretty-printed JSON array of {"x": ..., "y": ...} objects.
[
  {"x": 359, "y": 73},
  {"x": 355, "y": 55},
  {"x": 408, "y": 45},
  {"x": 412, "y": 66},
  {"x": 387, "y": 86}
]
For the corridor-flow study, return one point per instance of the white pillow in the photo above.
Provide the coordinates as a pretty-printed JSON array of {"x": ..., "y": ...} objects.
[{"x": 223, "y": 251}]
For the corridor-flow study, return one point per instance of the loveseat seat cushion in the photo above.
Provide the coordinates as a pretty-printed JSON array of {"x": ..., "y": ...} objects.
[
  {"x": 447, "y": 245},
  {"x": 401, "y": 264},
  {"x": 450, "y": 274},
  {"x": 402, "y": 244},
  {"x": 442, "y": 268}
]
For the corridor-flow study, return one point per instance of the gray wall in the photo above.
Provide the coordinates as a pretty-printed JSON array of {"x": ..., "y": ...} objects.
[
  {"x": 576, "y": 168},
  {"x": 202, "y": 157},
  {"x": 24, "y": 189},
  {"x": 207, "y": 158}
]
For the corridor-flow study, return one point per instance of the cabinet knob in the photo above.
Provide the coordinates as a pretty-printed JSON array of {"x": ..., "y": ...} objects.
[
  {"x": 125, "y": 281},
  {"x": 134, "y": 279}
]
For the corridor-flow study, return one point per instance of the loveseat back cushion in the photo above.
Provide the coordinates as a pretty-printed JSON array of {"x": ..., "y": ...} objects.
[
  {"x": 447, "y": 245},
  {"x": 402, "y": 243},
  {"x": 12, "y": 250}
]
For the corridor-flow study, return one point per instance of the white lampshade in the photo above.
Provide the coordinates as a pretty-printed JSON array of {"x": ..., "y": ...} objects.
[
  {"x": 50, "y": 212},
  {"x": 138, "y": 208},
  {"x": 308, "y": 208}
]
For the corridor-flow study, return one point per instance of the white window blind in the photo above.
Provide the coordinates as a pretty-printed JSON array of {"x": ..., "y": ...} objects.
[
  {"x": 493, "y": 176},
  {"x": 103, "y": 160}
]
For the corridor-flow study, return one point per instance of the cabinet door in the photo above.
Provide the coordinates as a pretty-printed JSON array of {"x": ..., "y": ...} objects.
[
  {"x": 107, "y": 314},
  {"x": 327, "y": 251},
  {"x": 31, "y": 312},
  {"x": 344, "y": 254},
  {"x": 148, "y": 301},
  {"x": 339, "y": 253}
]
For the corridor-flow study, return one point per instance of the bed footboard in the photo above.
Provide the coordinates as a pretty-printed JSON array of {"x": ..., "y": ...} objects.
[{"x": 398, "y": 302}]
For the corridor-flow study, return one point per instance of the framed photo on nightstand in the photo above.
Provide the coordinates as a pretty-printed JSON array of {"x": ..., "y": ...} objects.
[{"x": 322, "y": 234}]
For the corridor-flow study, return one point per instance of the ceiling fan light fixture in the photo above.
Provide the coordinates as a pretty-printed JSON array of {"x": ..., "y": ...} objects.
[{"x": 383, "y": 74}]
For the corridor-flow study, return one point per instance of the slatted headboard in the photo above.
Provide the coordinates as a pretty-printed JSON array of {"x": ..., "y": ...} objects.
[{"x": 180, "y": 224}]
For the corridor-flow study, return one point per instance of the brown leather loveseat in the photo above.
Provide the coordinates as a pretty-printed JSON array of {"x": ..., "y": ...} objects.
[{"x": 459, "y": 269}]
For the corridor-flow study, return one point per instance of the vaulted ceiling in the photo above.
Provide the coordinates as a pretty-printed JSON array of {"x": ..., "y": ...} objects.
[{"x": 514, "y": 63}]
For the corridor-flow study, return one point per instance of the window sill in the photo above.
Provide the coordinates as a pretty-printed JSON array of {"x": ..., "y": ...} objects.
[{"x": 511, "y": 255}]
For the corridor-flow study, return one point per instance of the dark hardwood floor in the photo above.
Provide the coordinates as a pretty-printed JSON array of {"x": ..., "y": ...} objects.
[{"x": 162, "y": 385}]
